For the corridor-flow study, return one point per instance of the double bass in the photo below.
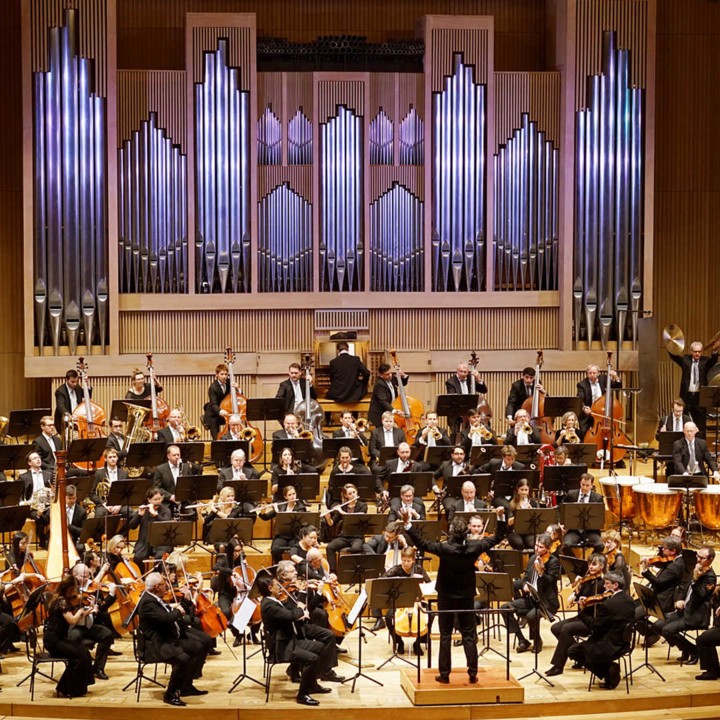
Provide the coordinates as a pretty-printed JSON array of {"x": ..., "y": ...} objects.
[
  {"x": 412, "y": 408},
  {"x": 483, "y": 407},
  {"x": 535, "y": 407},
  {"x": 89, "y": 417},
  {"x": 235, "y": 403},
  {"x": 160, "y": 410},
  {"x": 310, "y": 416}
]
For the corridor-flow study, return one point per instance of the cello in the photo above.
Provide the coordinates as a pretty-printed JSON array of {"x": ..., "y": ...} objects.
[
  {"x": 310, "y": 415},
  {"x": 605, "y": 432},
  {"x": 535, "y": 407},
  {"x": 89, "y": 417},
  {"x": 160, "y": 409},
  {"x": 235, "y": 403},
  {"x": 412, "y": 408}
]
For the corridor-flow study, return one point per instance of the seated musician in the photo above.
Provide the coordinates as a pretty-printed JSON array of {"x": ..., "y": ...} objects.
[
  {"x": 348, "y": 504},
  {"x": 154, "y": 511},
  {"x": 114, "y": 550},
  {"x": 167, "y": 473},
  {"x": 407, "y": 567},
  {"x": 287, "y": 465},
  {"x": 573, "y": 536},
  {"x": 506, "y": 461},
  {"x": 467, "y": 502},
  {"x": 521, "y": 432},
  {"x": 139, "y": 389},
  {"x": 521, "y": 500},
  {"x": 478, "y": 433},
  {"x": 76, "y": 515},
  {"x": 290, "y": 503},
  {"x": 562, "y": 458},
  {"x": 96, "y": 628},
  {"x": 214, "y": 417},
  {"x": 607, "y": 629},
  {"x": 313, "y": 656},
  {"x": 107, "y": 474},
  {"x": 680, "y": 533},
  {"x": 691, "y": 455},
  {"x": 390, "y": 542},
  {"x": 591, "y": 389},
  {"x": 174, "y": 431},
  {"x": 692, "y": 608},
  {"x": 235, "y": 428},
  {"x": 670, "y": 573},
  {"x": 167, "y": 641},
  {"x": 432, "y": 434},
  {"x": 449, "y": 469},
  {"x": 348, "y": 428},
  {"x": 345, "y": 465},
  {"x": 290, "y": 429},
  {"x": 224, "y": 507},
  {"x": 569, "y": 431},
  {"x": 306, "y": 541},
  {"x": 616, "y": 562},
  {"x": 38, "y": 492},
  {"x": 239, "y": 470},
  {"x": 116, "y": 437},
  {"x": 387, "y": 435},
  {"x": 707, "y": 643},
  {"x": 407, "y": 502},
  {"x": 675, "y": 420},
  {"x": 556, "y": 533},
  {"x": 589, "y": 586},
  {"x": 543, "y": 573}
]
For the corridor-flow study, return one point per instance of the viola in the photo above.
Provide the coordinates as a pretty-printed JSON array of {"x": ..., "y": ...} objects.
[{"x": 412, "y": 408}]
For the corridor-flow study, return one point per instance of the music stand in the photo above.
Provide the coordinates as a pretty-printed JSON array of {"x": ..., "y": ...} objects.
[
  {"x": 389, "y": 452},
  {"x": 533, "y": 521},
  {"x": 649, "y": 603},
  {"x": 89, "y": 451},
  {"x": 14, "y": 457},
  {"x": 26, "y": 423},
  {"x": 128, "y": 493},
  {"x": 507, "y": 561},
  {"x": 302, "y": 448},
  {"x": 96, "y": 527},
  {"x": 664, "y": 453},
  {"x": 247, "y": 491},
  {"x": 581, "y": 453},
  {"x": 289, "y": 524},
  {"x": 223, "y": 530},
  {"x": 505, "y": 481},
  {"x": 170, "y": 533},
  {"x": 483, "y": 454},
  {"x": 10, "y": 492},
  {"x": 573, "y": 567},
  {"x": 355, "y": 569},
  {"x": 421, "y": 482},
  {"x": 13, "y": 517},
  {"x": 436, "y": 454},
  {"x": 527, "y": 454},
  {"x": 391, "y": 594},
  {"x": 687, "y": 483},
  {"x": 251, "y": 597},
  {"x": 31, "y": 608},
  {"x": 119, "y": 410},
  {"x": 265, "y": 409},
  {"x": 482, "y": 483},
  {"x": 146, "y": 455},
  {"x": 331, "y": 447},
  {"x": 493, "y": 587},
  {"x": 363, "y": 524},
  {"x": 455, "y": 405},
  {"x": 583, "y": 516},
  {"x": 191, "y": 489},
  {"x": 83, "y": 484},
  {"x": 221, "y": 450},
  {"x": 429, "y": 530},
  {"x": 307, "y": 485},
  {"x": 488, "y": 516},
  {"x": 365, "y": 484},
  {"x": 543, "y": 612},
  {"x": 191, "y": 452},
  {"x": 562, "y": 478}
]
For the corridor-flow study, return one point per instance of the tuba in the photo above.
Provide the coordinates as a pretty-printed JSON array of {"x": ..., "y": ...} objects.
[{"x": 135, "y": 430}]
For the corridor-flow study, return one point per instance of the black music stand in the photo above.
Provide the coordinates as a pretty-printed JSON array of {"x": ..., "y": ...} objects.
[
  {"x": 35, "y": 599},
  {"x": 307, "y": 485},
  {"x": 251, "y": 491},
  {"x": 437, "y": 454},
  {"x": 289, "y": 524},
  {"x": 428, "y": 530},
  {"x": 455, "y": 406},
  {"x": 558, "y": 405},
  {"x": 355, "y": 569},
  {"x": 391, "y": 594},
  {"x": 494, "y": 587},
  {"x": 582, "y": 453},
  {"x": 543, "y": 613},
  {"x": 191, "y": 489},
  {"x": 146, "y": 455},
  {"x": 488, "y": 516},
  {"x": 10, "y": 493},
  {"x": 505, "y": 481},
  {"x": 583, "y": 516},
  {"x": 561, "y": 479},
  {"x": 364, "y": 483},
  {"x": 265, "y": 409},
  {"x": 363, "y": 524},
  {"x": 14, "y": 457},
  {"x": 482, "y": 483},
  {"x": 83, "y": 484},
  {"x": 128, "y": 493},
  {"x": 221, "y": 450},
  {"x": 89, "y": 451},
  {"x": 533, "y": 521},
  {"x": 528, "y": 455},
  {"x": 331, "y": 447},
  {"x": 389, "y": 452},
  {"x": 170, "y": 533},
  {"x": 664, "y": 454},
  {"x": 302, "y": 448},
  {"x": 483, "y": 454},
  {"x": 223, "y": 530},
  {"x": 119, "y": 410},
  {"x": 687, "y": 483},
  {"x": 648, "y": 601},
  {"x": 191, "y": 452},
  {"x": 26, "y": 423},
  {"x": 251, "y": 597},
  {"x": 13, "y": 517},
  {"x": 507, "y": 561},
  {"x": 421, "y": 481},
  {"x": 96, "y": 527},
  {"x": 573, "y": 567}
]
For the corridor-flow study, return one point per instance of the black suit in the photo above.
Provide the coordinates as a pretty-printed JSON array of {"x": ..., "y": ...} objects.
[
  {"x": 466, "y": 440},
  {"x": 396, "y": 503},
  {"x": 166, "y": 641},
  {"x": 666, "y": 582},
  {"x": 456, "y": 505},
  {"x": 455, "y": 587},
  {"x": 101, "y": 475},
  {"x": 533, "y": 438},
  {"x": 212, "y": 419},
  {"x": 377, "y": 440},
  {"x": 390, "y": 467},
  {"x": 574, "y": 536},
  {"x": 165, "y": 435},
  {"x": 669, "y": 422},
  {"x": 382, "y": 400},
  {"x": 75, "y": 524},
  {"x": 116, "y": 443},
  {"x": 584, "y": 392},
  {"x": 228, "y": 473},
  {"x": 692, "y": 400},
  {"x": 163, "y": 477},
  {"x": 143, "y": 549},
  {"x": 606, "y": 639},
  {"x": 27, "y": 482},
  {"x": 348, "y": 379},
  {"x": 453, "y": 387},
  {"x": 705, "y": 463},
  {"x": 63, "y": 405},
  {"x": 42, "y": 447},
  {"x": 287, "y": 394},
  {"x": 517, "y": 396}
]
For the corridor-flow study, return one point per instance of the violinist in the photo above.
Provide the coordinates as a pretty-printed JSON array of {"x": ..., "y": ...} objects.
[
  {"x": 569, "y": 430},
  {"x": 521, "y": 432},
  {"x": 556, "y": 533},
  {"x": 467, "y": 502},
  {"x": 407, "y": 567},
  {"x": 521, "y": 500},
  {"x": 97, "y": 626},
  {"x": 575, "y": 536},
  {"x": 307, "y": 540},
  {"x": 590, "y": 389},
  {"x": 167, "y": 641},
  {"x": 607, "y": 632},
  {"x": 348, "y": 504},
  {"x": 139, "y": 389},
  {"x": 670, "y": 573},
  {"x": 287, "y": 465},
  {"x": 543, "y": 573},
  {"x": 406, "y": 503},
  {"x": 590, "y": 585},
  {"x": 692, "y": 608},
  {"x": 65, "y": 610},
  {"x": 612, "y": 549},
  {"x": 143, "y": 518},
  {"x": 223, "y": 507},
  {"x": 108, "y": 474},
  {"x": 290, "y": 503}
]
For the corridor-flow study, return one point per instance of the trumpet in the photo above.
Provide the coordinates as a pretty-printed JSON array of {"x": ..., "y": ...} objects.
[
  {"x": 482, "y": 431},
  {"x": 571, "y": 436},
  {"x": 248, "y": 434},
  {"x": 526, "y": 428},
  {"x": 360, "y": 425},
  {"x": 434, "y": 433}
]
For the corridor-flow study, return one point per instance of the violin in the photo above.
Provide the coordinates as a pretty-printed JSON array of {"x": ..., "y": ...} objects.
[
  {"x": 659, "y": 561},
  {"x": 579, "y": 582},
  {"x": 594, "y": 599},
  {"x": 610, "y": 557}
]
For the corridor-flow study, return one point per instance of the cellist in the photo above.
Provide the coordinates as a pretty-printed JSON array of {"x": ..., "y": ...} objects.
[{"x": 591, "y": 389}]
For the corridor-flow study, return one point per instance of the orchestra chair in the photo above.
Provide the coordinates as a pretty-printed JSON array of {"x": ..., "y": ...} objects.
[
  {"x": 142, "y": 663},
  {"x": 624, "y": 654},
  {"x": 269, "y": 661},
  {"x": 37, "y": 656}
]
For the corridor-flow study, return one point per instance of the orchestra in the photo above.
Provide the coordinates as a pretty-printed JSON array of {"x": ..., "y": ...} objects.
[{"x": 88, "y": 612}]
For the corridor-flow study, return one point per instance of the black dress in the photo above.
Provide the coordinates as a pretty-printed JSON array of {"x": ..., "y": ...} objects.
[{"x": 78, "y": 673}]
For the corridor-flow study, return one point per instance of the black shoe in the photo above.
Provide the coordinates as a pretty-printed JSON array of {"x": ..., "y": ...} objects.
[
  {"x": 457, "y": 643},
  {"x": 522, "y": 621},
  {"x": 214, "y": 651},
  {"x": 444, "y": 679},
  {"x": 237, "y": 642},
  {"x": 707, "y": 675},
  {"x": 293, "y": 674},
  {"x": 417, "y": 649},
  {"x": 114, "y": 653},
  {"x": 100, "y": 675},
  {"x": 332, "y": 676},
  {"x": 576, "y": 666},
  {"x": 692, "y": 660},
  {"x": 307, "y": 700},
  {"x": 192, "y": 691},
  {"x": 553, "y": 671},
  {"x": 342, "y": 650},
  {"x": 173, "y": 699},
  {"x": 613, "y": 677},
  {"x": 650, "y": 640},
  {"x": 13, "y": 649},
  {"x": 379, "y": 625},
  {"x": 400, "y": 647},
  {"x": 472, "y": 678},
  {"x": 320, "y": 690},
  {"x": 523, "y": 646}
]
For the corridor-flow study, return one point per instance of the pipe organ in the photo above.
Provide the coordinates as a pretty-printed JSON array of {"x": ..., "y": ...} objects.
[{"x": 157, "y": 191}]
